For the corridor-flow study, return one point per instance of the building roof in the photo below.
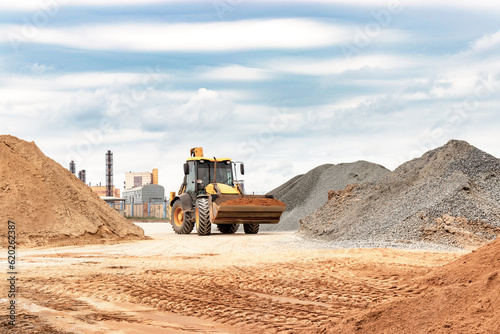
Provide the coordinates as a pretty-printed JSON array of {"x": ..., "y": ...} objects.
[{"x": 112, "y": 199}]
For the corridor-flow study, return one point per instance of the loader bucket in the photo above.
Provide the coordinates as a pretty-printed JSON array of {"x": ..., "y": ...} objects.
[{"x": 246, "y": 209}]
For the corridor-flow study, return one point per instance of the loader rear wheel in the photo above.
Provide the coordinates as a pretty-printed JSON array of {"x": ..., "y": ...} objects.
[
  {"x": 228, "y": 228},
  {"x": 180, "y": 223},
  {"x": 251, "y": 228},
  {"x": 203, "y": 224}
]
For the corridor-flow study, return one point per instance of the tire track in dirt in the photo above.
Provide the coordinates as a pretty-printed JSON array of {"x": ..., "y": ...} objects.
[
  {"x": 289, "y": 296},
  {"x": 28, "y": 323}
]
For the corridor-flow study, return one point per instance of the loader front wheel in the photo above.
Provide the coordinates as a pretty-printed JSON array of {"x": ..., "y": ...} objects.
[
  {"x": 203, "y": 224},
  {"x": 251, "y": 228},
  {"x": 228, "y": 228},
  {"x": 179, "y": 221}
]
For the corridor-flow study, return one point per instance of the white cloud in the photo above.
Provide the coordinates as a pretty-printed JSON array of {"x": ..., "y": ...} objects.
[
  {"x": 346, "y": 130},
  {"x": 402, "y": 4},
  {"x": 84, "y": 80},
  {"x": 40, "y": 69},
  {"x": 51, "y": 5},
  {"x": 340, "y": 65},
  {"x": 206, "y": 109},
  {"x": 389, "y": 115},
  {"x": 219, "y": 36},
  {"x": 236, "y": 73},
  {"x": 31, "y": 5},
  {"x": 486, "y": 43}
]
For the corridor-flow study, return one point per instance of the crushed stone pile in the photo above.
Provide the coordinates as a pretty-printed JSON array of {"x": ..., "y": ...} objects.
[
  {"x": 305, "y": 193},
  {"x": 450, "y": 196},
  {"x": 460, "y": 297},
  {"x": 49, "y": 205}
]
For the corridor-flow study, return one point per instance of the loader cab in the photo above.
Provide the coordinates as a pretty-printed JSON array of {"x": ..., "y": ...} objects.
[
  {"x": 208, "y": 173},
  {"x": 199, "y": 173}
]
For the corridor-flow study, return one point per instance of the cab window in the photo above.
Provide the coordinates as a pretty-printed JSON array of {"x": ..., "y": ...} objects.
[
  {"x": 190, "y": 178},
  {"x": 206, "y": 172}
]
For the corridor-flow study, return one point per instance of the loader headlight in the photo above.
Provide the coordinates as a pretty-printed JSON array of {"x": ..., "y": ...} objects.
[{"x": 200, "y": 184}]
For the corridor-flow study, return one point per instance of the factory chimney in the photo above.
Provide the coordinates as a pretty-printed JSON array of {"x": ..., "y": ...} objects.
[
  {"x": 109, "y": 173},
  {"x": 82, "y": 176},
  {"x": 72, "y": 167}
]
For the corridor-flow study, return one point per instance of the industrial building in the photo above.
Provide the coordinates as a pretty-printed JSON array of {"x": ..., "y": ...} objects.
[
  {"x": 148, "y": 193},
  {"x": 138, "y": 179}
]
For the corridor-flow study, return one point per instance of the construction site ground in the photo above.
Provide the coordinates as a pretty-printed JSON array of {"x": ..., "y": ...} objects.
[{"x": 269, "y": 282}]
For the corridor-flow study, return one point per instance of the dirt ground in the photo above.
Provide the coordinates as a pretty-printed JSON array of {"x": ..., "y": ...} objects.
[{"x": 269, "y": 282}]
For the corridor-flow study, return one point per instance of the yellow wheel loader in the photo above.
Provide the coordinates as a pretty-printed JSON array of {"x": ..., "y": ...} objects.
[{"x": 210, "y": 194}]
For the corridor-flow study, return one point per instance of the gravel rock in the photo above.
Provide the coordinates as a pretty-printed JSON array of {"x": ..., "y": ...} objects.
[
  {"x": 305, "y": 193},
  {"x": 449, "y": 196}
]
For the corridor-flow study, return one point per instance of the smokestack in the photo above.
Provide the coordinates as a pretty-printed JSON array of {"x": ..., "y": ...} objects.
[
  {"x": 72, "y": 167},
  {"x": 82, "y": 176},
  {"x": 109, "y": 173}
]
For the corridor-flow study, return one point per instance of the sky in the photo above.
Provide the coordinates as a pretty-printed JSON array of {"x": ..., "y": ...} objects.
[{"x": 283, "y": 86}]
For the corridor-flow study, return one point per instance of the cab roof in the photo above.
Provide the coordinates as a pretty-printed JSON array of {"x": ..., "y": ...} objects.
[{"x": 207, "y": 159}]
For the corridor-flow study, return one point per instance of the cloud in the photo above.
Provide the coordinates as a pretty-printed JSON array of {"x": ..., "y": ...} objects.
[
  {"x": 40, "y": 69},
  {"x": 165, "y": 123},
  {"x": 66, "y": 93},
  {"x": 397, "y": 96},
  {"x": 81, "y": 80},
  {"x": 47, "y": 5},
  {"x": 206, "y": 109},
  {"x": 50, "y": 4},
  {"x": 236, "y": 73},
  {"x": 463, "y": 4},
  {"x": 486, "y": 43},
  {"x": 340, "y": 65},
  {"x": 219, "y": 36}
]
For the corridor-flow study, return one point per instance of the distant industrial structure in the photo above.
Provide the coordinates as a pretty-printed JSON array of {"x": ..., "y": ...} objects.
[
  {"x": 148, "y": 193},
  {"x": 108, "y": 191},
  {"x": 109, "y": 174},
  {"x": 139, "y": 179},
  {"x": 82, "y": 175},
  {"x": 72, "y": 167},
  {"x": 143, "y": 196}
]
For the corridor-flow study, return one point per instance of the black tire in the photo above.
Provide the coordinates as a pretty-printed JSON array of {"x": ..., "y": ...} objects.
[
  {"x": 228, "y": 228},
  {"x": 251, "y": 228},
  {"x": 203, "y": 224},
  {"x": 180, "y": 223}
]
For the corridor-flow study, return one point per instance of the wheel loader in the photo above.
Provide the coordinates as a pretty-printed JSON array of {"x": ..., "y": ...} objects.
[{"x": 210, "y": 194}]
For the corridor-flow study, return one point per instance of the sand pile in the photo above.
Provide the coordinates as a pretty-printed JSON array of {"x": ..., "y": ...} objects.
[
  {"x": 254, "y": 201},
  {"x": 49, "y": 204},
  {"x": 450, "y": 196},
  {"x": 305, "y": 193},
  {"x": 461, "y": 297}
]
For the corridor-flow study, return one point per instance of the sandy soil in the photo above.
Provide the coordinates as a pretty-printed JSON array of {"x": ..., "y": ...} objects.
[
  {"x": 217, "y": 284},
  {"x": 50, "y": 205}
]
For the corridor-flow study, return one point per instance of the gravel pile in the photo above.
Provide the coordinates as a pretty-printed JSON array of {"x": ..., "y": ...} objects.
[
  {"x": 450, "y": 196},
  {"x": 305, "y": 193}
]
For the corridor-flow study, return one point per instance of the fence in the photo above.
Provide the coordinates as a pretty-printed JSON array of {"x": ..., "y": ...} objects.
[{"x": 144, "y": 210}]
